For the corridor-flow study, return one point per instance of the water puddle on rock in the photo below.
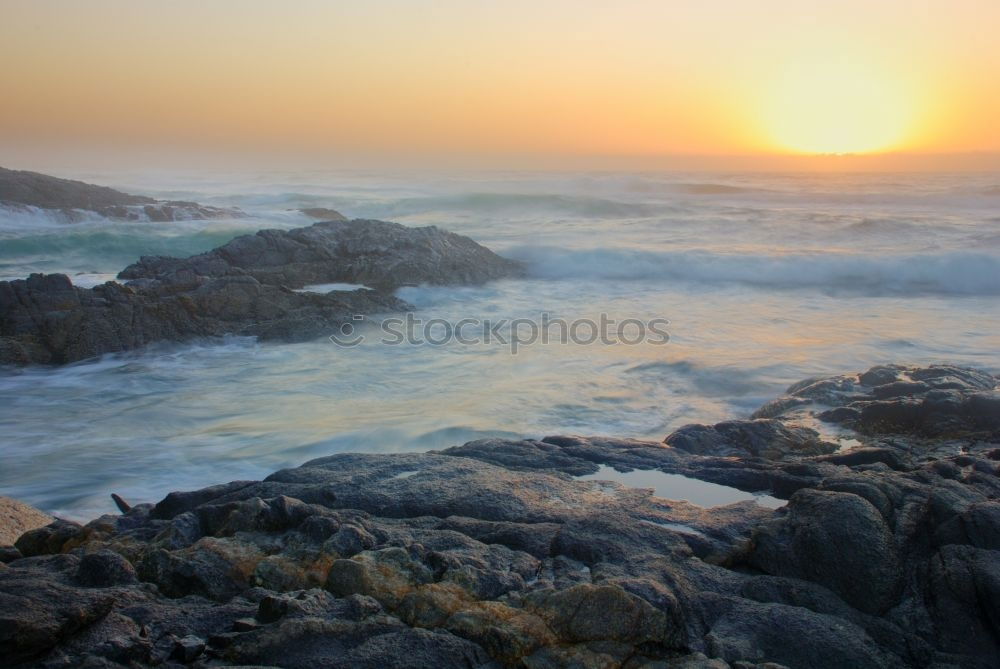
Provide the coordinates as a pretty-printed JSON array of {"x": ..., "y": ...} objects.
[
  {"x": 676, "y": 486},
  {"x": 845, "y": 438},
  {"x": 327, "y": 287}
]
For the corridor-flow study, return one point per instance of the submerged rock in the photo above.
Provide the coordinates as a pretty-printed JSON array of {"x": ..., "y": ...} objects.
[
  {"x": 22, "y": 190},
  {"x": 493, "y": 554},
  {"x": 323, "y": 214}
]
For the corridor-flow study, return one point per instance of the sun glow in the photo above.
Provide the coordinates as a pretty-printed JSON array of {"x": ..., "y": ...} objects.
[{"x": 837, "y": 107}]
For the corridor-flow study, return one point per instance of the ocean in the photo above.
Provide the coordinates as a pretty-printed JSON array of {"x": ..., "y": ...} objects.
[{"x": 764, "y": 279}]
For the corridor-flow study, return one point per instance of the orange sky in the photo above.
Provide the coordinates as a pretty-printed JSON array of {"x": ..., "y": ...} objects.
[{"x": 561, "y": 78}]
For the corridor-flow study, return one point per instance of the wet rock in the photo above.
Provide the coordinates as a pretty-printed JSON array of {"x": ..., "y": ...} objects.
[
  {"x": 323, "y": 214},
  {"x": 881, "y": 375}
]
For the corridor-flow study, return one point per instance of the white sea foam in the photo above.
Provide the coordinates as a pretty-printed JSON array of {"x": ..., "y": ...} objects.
[{"x": 950, "y": 273}]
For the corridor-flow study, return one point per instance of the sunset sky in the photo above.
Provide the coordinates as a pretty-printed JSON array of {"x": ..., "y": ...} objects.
[{"x": 564, "y": 78}]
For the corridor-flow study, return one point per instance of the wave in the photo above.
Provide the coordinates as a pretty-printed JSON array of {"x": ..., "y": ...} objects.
[
  {"x": 582, "y": 206},
  {"x": 19, "y": 217},
  {"x": 946, "y": 273},
  {"x": 720, "y": 381},
  {"x": 107, "y": 247},
  {"x": 713, "y": 189}
]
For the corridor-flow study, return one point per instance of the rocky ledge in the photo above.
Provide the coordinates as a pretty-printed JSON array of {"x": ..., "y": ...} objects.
[
  {"x": 245, "y": 287},
  {"x": 495, "y": 554},
  {"x": 374, "y": 253},
  {"x": 73, "y": 200}
]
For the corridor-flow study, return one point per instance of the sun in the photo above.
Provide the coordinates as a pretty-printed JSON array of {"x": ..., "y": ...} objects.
[{"x": 836, "y": 106}]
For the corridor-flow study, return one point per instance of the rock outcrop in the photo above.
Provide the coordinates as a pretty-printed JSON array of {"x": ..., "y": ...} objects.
[
  {"x": 374, "y": 253},
  {"x": 242, "y": 288},
  {"x": 494, "y": 554},
  {"x": 323, "y": 214},
  {"x": 21, "y": 190},
  {"x": 46, "y": 319}
]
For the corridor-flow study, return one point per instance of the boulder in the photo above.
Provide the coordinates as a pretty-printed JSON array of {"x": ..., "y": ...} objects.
[
  {"x": 836, "y": 539},
  {"x": 16, "y": 518},
  {"x": 373, "y": 253}
]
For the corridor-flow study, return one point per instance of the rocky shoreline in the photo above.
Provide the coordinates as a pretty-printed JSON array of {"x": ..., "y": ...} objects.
[
  {"x": 245, "y": 287},
  {"x": 73, "y": 201},
  {"x": 495, "y": 553}
]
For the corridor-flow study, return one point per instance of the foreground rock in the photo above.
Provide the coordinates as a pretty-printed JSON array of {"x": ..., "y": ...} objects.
[
  {"x": 242, "y": 288},
  {"x": 492, "y": 554},
  {"x": 16, "y": 518},
  {"x": 73, "y": 200},
  {"x": 46, "y": 319}
]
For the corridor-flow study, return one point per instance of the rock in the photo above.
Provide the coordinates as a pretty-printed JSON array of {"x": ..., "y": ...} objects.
[
  {"x": 39, "y": 612},
  {"x": 46, "y": 540},
  {"x": 790, "y": 636},
  {"x": 762, "y": 438},
  {"x": 104, "y": 569},
  {"x": 836, "y": 539},
  {"x": 45, "y": 319},
  {"x": 964, "y": 595},
  {"x": 589, "y": 613},
  {"x": 370, "y": 644},
  {"x": 373, "y": 253},
  {"x": 21, "y": 190},
  {"x": 242, "y": 288},
  {"x": 188, "y": 649},
  {"x": 16, "y": 518},
  {"x": 323, "y": 214}
]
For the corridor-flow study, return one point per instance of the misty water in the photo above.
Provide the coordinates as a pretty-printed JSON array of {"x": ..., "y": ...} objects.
[{"x": 765, "y": 280}]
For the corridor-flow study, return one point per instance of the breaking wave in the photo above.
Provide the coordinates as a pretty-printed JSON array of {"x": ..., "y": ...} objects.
[
  {"x": 533, "y": 204},
  {"x": 950, "y": 273}
]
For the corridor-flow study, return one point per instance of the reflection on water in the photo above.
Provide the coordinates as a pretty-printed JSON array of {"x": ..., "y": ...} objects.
[{"x": 678, "y": 487}]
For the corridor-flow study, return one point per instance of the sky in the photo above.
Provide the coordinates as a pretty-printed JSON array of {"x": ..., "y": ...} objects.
[{"x": 557, "y": 79}]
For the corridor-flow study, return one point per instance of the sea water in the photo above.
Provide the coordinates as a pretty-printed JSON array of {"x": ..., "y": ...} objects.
[{"x": 765, "y": 279}]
